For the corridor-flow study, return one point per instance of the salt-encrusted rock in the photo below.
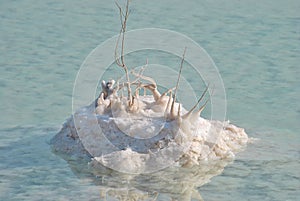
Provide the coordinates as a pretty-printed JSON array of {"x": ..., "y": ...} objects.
[{"x": 152, "y": 133}]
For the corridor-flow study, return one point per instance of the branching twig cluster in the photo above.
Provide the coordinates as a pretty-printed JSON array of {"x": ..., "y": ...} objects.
[{"x": 151, "y": 85}]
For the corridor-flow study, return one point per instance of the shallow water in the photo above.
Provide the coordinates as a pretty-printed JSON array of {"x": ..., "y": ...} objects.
[{"x": 255, "y": 45}]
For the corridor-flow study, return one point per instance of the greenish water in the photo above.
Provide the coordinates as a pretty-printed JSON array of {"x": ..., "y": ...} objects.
[{"x": 254, "y": 44}]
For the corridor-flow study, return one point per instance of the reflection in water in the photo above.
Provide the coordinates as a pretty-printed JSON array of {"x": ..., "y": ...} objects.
[{"x": 173, "y": 183}]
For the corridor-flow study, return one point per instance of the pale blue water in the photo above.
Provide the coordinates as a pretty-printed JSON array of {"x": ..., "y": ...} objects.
[{"x": 255, "y": 44}]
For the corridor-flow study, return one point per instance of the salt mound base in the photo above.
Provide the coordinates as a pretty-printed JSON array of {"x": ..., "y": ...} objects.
[{"x": 145, "y": 133}]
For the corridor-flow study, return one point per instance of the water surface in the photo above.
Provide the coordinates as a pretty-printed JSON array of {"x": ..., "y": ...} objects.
[{"x": 255, "y": 45}]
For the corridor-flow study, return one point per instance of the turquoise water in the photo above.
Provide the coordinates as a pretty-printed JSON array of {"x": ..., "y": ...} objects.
[{"x": 254, "y": 44}]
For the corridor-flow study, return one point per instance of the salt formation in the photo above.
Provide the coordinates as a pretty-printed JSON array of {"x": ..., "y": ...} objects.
[
  {"x": 152, "y": 134},
  {"x": 147, "y": 132}
]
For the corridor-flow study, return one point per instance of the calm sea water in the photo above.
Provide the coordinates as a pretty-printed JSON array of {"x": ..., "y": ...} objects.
[{"x": 255, "y": 44}]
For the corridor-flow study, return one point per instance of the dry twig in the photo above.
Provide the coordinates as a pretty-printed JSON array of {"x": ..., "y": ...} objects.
[{"x": 121, "y": 62}]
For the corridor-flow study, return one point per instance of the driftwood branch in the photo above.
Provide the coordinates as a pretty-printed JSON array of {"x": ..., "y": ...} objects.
[
  {"x": 120, "y": 61},
  {"x": 177, "y": 84}
]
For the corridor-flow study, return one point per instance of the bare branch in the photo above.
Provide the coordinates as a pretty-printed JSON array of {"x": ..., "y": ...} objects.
[
  {"x": 120, "y": 61},
  {"x": 151, "y": 80},
  {"x": 179, "y": 74},
  {"x": 180, "y": 70},
  {"x": 199, "y": 100},
  {"x": 116, "y": 51}
]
